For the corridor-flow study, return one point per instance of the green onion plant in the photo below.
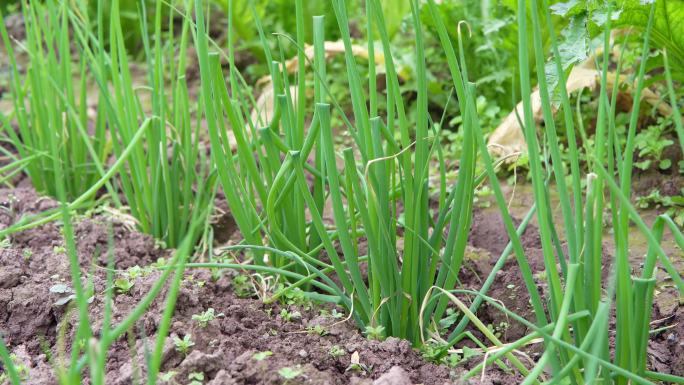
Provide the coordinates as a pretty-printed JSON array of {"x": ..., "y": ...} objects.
[
  {"x": 166, "y": 178},
  {"x": 313, "y": 212},
  {"x": 578, "y": 349},
  {"x": 287, "y": 174},
  {"x": 51, "y": 99}
]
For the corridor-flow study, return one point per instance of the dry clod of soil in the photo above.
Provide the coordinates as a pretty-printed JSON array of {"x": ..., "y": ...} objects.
[{"x": 395, "y": 376}]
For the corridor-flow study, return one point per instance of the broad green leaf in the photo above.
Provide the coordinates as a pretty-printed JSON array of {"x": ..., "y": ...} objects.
[
  {"x": 573, "y": 49},
  {"x": 668, "y": 25},
  {"x": 394, "y": 12},
  {"x": 566, "y": 8}
]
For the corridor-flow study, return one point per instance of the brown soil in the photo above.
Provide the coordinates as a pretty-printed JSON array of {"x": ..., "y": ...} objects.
[{"x": 35, "y": 328}]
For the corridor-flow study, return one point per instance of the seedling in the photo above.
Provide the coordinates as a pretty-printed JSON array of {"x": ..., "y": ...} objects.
[
  {"x": 651, "y": 143},
  {"x": 449, "y": 320},
  {"x": 336, "y": 351},
  {"x": 195, "y": 378},
  {"x": 242, "y": 286},
  {"x": 673, "y": 205},
  {"x": 483, "y": 197},
  {"x": 65, "y": 292},
  {"x": 183, "y": 345},
  {"x": 355, "y": 364},
  {"x": 136, "y": 271},
  {"x": 375, "y": 332},
  {"x": 161, "y": 262},
  {"x": 260, "y": 356},
  {"x": 317, "y": 329},
  {"x": 290, "y": 373},
  {"x": 27, "y": 254},
  {"x": 205, "y": 317},
  {"x": 21, "y": 368},
  {"x": 123, "y": 284},
  {"x": 167, "y": 376},
  {"x": 436, "y": 352},
  {"x": 289, "y": 316},
  {"x": 335, "y": 314},
  {"x": 295, "y": 297}
]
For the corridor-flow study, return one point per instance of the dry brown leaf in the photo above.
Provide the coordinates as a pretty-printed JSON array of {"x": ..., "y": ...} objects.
[{"x": 508, "y": 140}]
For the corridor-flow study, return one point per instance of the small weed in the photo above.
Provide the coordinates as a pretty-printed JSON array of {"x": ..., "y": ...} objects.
[
  {"x": 674, "y": 205},
  {"x": 195, "y": 378},
  {"x": 123, "y": 285},
  {"x": 21, "y": 368},
  {"x": 260, "y": 356},
  {"x": 332, "y": 313},
  {"x": 651, "y": 143},
  {"x": 167, "y": 376},
  {"x": 242, "y": 286},
  {"x": 205, "y": 317},
  {"x": 336, "y": 351},
  {"x": 183, "y": 345},
  {"x": 499, "y": 329},
  {"x": 434, "y": 352},
  {"x": 469, "y": 353},
  {"x": 335, "y": 314},
  {"x": 290, "y": 373},
  {"x": 375, "y": 332},
  {"x": 5, "y": 243},
  {"x": 137, "y": 272},
  {"x": 66, "y": 293},
  {"x": 27, "y": 254},
  {"x": 161, "y": 262},
  {"x": 289, "y": 316},
  {"x": 317, "y": 329},
  {"x": 448, "y": 321},
  {"x": 355, "y": 364},
  {"x": 296, "y": 297}
]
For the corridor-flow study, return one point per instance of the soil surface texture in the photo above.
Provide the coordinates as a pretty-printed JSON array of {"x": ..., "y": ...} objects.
[{"x": 248, "y": 342}]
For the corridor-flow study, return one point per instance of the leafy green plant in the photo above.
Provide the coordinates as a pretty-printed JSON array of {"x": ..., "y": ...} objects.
[
  {"x": 167, "y": 177},
  {"x": 51, "y": 106},
  {"x": 673, "y": 205},
  {"x": 260, "y": 356},
  {"x": 206, "y": 316},
  {"x": 317, "y": 330},
  {"x": 336, "y": 351},
  {"x": 665, "y": 33},
  {"x": 183, "y": 345},
  {"x": 123, "y": 284},
  {"x": 196, "y": 378},
  {"x": 379, "y": 175},
  {"x": 290, "y": 315},
  {"x": 290, "y": 373},
  {"x": 21, "y": 370},
  {"x": 242, "y": 286},
  {"x": 582, "y": 304},
  {"x": 156, "y": 147},
  {"x": 651, "y": 142},
  {"x": 375, "y": 332}
]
